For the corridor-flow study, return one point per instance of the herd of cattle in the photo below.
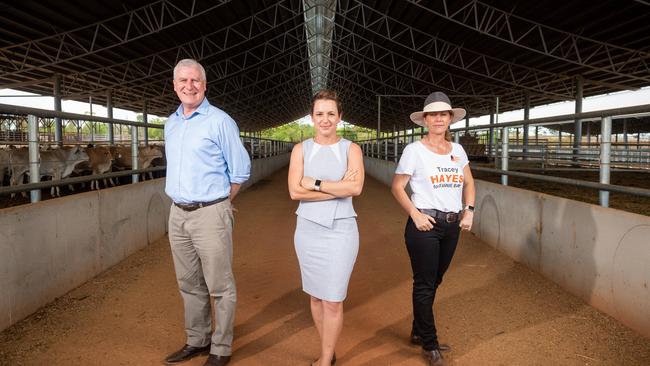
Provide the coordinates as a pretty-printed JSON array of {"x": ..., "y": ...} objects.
[{"x": 60, "y": 163}]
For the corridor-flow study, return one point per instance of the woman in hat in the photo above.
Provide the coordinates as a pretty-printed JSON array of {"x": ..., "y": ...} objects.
[
  {"x": 438, "y": 173},
  {"x": 324, "y": 174}
]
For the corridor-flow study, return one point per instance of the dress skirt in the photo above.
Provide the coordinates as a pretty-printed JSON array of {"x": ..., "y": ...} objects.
[{"x": 326, "y": 256}]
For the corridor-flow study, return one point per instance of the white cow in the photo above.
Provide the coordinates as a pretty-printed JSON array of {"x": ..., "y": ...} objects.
[{"x": 57, "y": 163}]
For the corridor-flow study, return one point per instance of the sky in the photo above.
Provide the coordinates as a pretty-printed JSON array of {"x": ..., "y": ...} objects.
[
  {"x": 599, "y": 102},
  {"x": 594, "y": 103},
  {"x": 46, "y": 102}
]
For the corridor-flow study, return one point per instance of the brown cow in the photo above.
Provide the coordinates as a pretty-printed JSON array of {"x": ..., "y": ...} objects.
[
  {"x": 5, "y": 156},
  {"x": 100, "y": 161},
  {"x": 146, "y": 154}
]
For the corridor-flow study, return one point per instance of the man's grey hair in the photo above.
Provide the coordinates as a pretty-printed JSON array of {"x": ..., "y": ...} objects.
[{"x": 188, "y": 62}]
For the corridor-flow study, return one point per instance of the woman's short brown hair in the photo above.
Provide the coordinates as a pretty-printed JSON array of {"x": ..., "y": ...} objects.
[{"x": 326, "y": 94}]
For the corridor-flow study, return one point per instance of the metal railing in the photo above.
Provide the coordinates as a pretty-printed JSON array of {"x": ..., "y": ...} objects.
[{"x": 603, "y": 155}]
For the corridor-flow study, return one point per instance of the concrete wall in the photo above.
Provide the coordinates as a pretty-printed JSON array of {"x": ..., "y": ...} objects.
[
  {"x": 262, "y": 168},
  {"x": 51, "y": 247},
  {"x": 600, "y": 254}
]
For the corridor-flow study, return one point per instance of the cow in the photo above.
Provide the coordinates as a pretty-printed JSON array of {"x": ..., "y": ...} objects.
[
  {"x": 18, "y": 167},
  {"x": 57, "y": 163},
  {"x": 100, "y": 160},
  {"x": 159, "y": 161},
  {"x": 146, "y": 154},
  {"x": 5, "y": 156}
]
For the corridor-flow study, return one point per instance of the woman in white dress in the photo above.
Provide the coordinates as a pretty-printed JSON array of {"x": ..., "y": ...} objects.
[
  {"x": 324, "y": 174},
  {"x": 438, "y": 173}
]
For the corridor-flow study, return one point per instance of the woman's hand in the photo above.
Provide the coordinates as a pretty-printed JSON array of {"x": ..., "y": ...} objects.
[
  {"x": 308, "y": 183},
  {"x": 466, "y": 221},
  {"x": 423, "y": 222}
]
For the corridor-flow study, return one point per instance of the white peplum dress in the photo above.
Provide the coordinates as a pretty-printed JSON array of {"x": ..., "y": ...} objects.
[{"x": 326, "y": 238}]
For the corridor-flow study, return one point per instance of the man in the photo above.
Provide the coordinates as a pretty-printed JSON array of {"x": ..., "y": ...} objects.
[{"x": 206, "y": 164}]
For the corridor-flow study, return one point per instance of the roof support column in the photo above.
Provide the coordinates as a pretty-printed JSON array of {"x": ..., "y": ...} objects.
[
  {"x": 145, "y": 117},
  {"x": 92, "y": 123},
  {"x": 526, "y": 126},
  {"x": 135, "y": 178},
  {"x": 378, "y": 121},
  {"x": 627, "y": 147},
  {"x": 109, "y": 114},
  {"x": 395, "y": 142},
  {"x": 34, "y": 157},
  {"x": 58, "y": 126},
  {"x": 504, "y": 154},
  {"x": 577, "y": 126},
  {"x": 490, "y": 142},
  {"x": 605, "y": 151}
]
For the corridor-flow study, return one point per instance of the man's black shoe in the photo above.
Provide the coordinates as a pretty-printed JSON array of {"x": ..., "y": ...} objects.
[
  {"x": 434, "y": 358},
  {"x": 216, "y": 360},
  {"x": 186, "y": 353},
  {"x": 415, "y": 339}
]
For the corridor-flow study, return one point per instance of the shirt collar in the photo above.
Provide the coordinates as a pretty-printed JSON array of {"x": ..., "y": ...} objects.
[{"x": 202, "y": 109}]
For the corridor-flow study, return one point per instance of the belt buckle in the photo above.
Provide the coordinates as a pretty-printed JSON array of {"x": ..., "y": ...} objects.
[{"x": 451, "y": 217}]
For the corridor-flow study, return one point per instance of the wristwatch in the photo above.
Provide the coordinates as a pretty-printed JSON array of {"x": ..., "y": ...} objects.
[
  {"x": 469, "y": 208},
  {"x": 317, "y": 185}
]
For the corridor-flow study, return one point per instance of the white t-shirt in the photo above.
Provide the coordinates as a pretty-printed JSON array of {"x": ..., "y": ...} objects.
[{"x": 436, "y": 180}]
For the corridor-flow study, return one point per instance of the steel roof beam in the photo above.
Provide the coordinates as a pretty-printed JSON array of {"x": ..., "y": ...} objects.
[
  {"x": 103, "y": 35},
  {"x": 366, "y": 51},
  {"x": 536, "y": 81},
  {"x": 135, "y": 71},
  {"x": 542, "y": 39},
  {"x": 503, "y": 76}
]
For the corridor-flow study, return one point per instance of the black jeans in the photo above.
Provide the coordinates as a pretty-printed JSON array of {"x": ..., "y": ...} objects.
[{"x": 431, "y": 253}]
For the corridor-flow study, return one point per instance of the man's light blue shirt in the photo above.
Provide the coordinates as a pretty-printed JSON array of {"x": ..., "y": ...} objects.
[{"x": 204, "y": 155}]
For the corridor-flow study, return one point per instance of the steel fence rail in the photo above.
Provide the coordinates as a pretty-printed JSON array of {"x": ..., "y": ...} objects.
[
  {"x": 574, "y": 182},
  {"x": 81, "y": 179}
]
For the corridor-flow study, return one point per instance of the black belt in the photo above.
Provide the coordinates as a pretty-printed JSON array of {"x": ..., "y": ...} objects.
[
  {"x": 196, "y": 205},
  {"x": 449, "y": 217}
]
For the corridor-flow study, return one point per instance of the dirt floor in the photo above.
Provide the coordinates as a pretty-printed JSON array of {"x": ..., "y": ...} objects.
[{"x": 492, "y": 310}]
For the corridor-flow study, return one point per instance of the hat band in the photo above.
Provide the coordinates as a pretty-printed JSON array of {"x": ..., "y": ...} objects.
[{"x": 436, "y": 107}]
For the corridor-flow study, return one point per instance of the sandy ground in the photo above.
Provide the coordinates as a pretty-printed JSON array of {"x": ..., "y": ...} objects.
[{"x": 492, "y": 310}]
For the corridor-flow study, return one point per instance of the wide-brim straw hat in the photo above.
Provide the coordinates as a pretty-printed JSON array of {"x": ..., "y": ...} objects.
[{"x": 437, "y": 102}]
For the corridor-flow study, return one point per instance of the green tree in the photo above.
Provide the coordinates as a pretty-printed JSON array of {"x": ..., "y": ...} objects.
[
  {"x": 154, "y": 133},
  {"x": 296, "y": 132},
  {"x": 293, "y": 132}
]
